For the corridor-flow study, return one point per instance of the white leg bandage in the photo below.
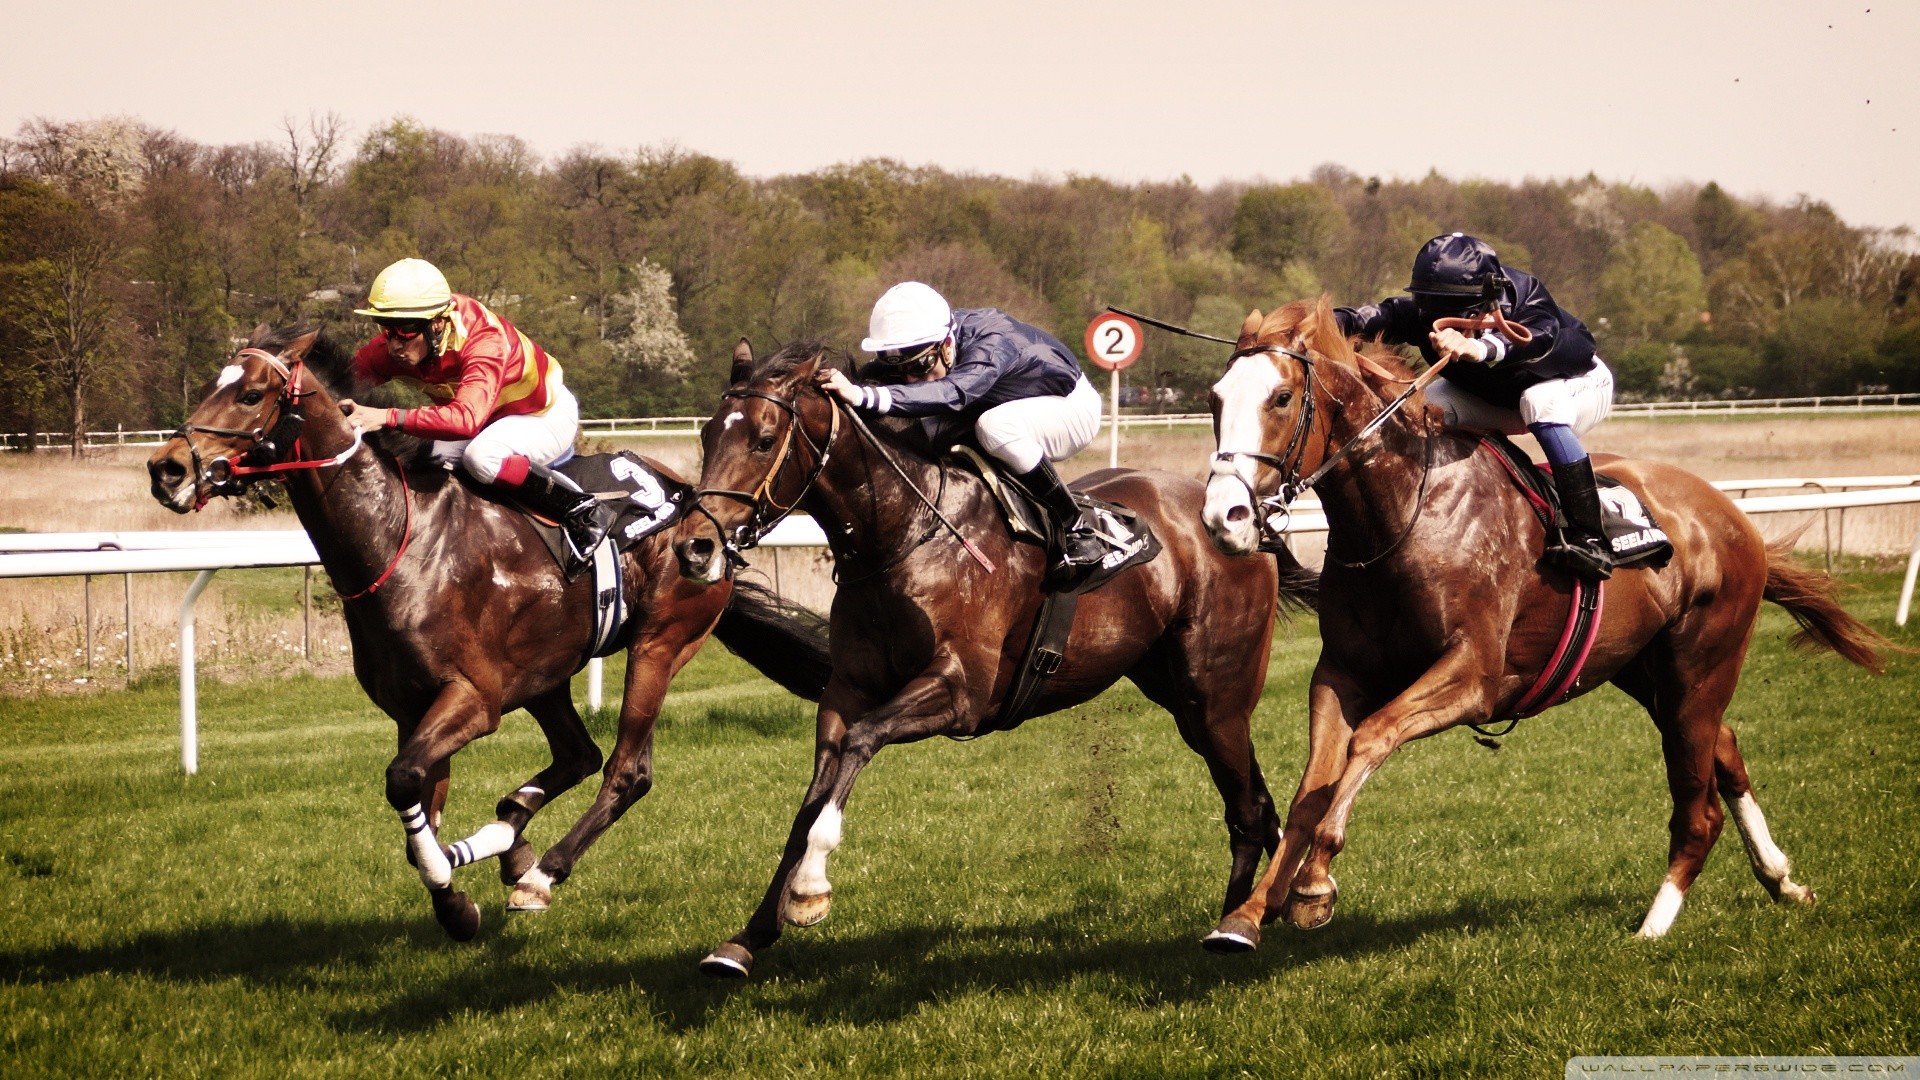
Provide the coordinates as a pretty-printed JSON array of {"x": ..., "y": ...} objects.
[
  {"x": 494, "y": 838},
  {"x": 435, "y": 871}
]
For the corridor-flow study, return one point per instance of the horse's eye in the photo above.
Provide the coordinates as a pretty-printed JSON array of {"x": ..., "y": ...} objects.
[
  {"x": 765, "y": 444},
  {"x": 1282, "y": 399},
  {"x": 252, "y": 397}
]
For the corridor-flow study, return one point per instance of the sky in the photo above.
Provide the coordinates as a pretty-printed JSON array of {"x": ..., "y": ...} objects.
[{"x": 1770, "y": 99}]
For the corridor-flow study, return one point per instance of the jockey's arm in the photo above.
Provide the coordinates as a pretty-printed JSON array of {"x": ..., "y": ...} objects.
[
  {"x": 974, "y": 372},
  {"x": 481, "y": 377}
]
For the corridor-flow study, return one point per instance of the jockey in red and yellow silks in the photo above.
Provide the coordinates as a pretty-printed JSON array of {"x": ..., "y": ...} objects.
[
  {"x": 485, "y": 368},
  {"x": 500, "y": 407}
]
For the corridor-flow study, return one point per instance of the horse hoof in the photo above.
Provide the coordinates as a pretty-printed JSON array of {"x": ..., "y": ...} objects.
[
  {"x": 1306, "y": 912},
  {"x": 806, "y": 910},
  {"x": 517, "y": 861},
  {"x": 459, "y": 916},
  {"x": 1235, "y": 934},
  {"x": 1792, "y": 892},
  {"x": 526, "y": 897},
  {"x": 729, "y": 961}
]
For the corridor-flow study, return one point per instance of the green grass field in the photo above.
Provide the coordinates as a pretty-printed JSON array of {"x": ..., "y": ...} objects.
[{"x": 1027, "y": 904}]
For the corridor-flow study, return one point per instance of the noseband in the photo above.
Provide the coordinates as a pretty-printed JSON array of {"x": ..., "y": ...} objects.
[
  {"x": 766, "y": 512},
  {"x": 269, "y": 441}
]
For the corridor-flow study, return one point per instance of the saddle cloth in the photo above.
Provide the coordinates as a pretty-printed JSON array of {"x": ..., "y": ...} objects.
[
  {"x": 644, "y": 501},
  {"x": 1636, "y": 538}
]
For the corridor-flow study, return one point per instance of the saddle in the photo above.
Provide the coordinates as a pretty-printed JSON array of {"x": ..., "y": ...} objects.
[
  {"x": 1636, "y": 539},
  {"x": 1131, "y": 542},
  {"x": 645, "y": 502}
]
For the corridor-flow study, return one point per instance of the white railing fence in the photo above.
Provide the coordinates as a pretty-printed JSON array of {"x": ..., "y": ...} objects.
[
  {"x": 90, "y": 554},
  {"x": 689, "y": 426}
]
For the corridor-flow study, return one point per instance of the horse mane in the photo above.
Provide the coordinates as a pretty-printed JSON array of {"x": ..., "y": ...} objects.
[{"x": 782, "y": 361}]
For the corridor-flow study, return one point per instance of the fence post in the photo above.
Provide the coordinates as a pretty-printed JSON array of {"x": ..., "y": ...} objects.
[
  {"x": 128, "y": 595},
  {"x": 189, "y": 697},
  {"x": 86, "y": 589}
]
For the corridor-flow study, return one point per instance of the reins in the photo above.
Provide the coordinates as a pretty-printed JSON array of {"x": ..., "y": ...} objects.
[{"x": 218, "y": 473}]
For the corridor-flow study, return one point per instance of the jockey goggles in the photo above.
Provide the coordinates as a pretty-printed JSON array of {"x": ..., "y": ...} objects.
[
  {"x": 912, "y": 358},
  {"x": 404, "y": 329}
]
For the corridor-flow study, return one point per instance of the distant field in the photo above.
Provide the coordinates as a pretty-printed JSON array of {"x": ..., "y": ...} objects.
[
  {"x": 1029, "y": 904},
  {"x": 250, "y": 619}
]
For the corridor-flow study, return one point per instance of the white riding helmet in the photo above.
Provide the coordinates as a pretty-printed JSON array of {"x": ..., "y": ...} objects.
[{"x": 906, "y": 315}]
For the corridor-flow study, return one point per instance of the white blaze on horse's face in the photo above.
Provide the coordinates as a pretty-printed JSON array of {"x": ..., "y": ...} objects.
[
  {"x": 229, "y": 375},
  {"x": 1240, "y": 411}
]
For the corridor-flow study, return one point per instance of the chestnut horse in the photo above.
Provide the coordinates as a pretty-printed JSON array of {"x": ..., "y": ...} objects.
[
  {"x": 458, "y": 613},
  {"x": 927, "y": 640},
  {"x": 1434, "y": 612}
]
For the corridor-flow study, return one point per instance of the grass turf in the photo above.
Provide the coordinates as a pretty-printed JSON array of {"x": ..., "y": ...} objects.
[{"x": 1028, "y": 903}]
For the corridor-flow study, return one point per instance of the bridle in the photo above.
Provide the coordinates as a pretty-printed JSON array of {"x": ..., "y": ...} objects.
[
  {"x": 227, "y": 475},
  {"x": 760, "y": 498},
  {"x": 766, "y": 512},
  {"x": 222, "y": 476},
  {"x": 1289, "y": 462}
]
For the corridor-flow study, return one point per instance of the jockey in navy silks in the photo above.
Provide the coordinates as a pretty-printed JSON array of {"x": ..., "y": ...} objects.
[
  {"x": 1551, "y": 385},
  {"x": 1016, "y": 387}
]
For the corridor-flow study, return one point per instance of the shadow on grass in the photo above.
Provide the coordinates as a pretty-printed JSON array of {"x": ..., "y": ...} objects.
[{"x": 880, "y": 977}]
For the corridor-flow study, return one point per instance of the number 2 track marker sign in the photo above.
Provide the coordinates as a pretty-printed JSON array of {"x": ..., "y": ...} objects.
[{"x": 1113, "y": 341}]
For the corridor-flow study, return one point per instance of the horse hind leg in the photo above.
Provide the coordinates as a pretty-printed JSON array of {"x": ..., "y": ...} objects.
[
  {"x": 1769, "y": 863},
  {"x": 1689, "y": 735},
  {"x": 575, "y": 757}
]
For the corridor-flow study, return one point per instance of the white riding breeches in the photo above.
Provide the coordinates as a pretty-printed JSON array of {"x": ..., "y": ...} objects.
[
  {"x": 541, "y": 438},
  {"x": 1023, "y": 433},
  {"x": 1580, "y": 403}
]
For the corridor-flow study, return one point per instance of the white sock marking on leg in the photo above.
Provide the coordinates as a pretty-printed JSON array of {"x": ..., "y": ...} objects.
[
  {"x": 1765, "y": 855},
  {"x": 536, "y": 878},
  {"x": 810, "y": 877},
  {"x": 1666, "y": 905}
]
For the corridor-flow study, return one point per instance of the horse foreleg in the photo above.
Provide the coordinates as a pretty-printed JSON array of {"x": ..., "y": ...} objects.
[
  {"x": 1454, "y": 690},
  {"x": 1769, "y": 863},
  {"x": 1333, "y": 703},
  {"x": 659, "y": 651},
  {"x": 800, "y": 893},
  {"x": 417, "y": 774}
]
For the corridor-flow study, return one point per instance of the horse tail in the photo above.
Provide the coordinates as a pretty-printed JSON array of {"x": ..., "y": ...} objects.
[
  {"x": 1808, "y": 596},
  {"x": 1299, "y": 586},
  {"x": 785, "y": 642}
]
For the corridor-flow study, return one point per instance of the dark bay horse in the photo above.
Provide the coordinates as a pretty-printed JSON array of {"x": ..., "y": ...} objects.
[
  {"x": 458, "y": 614},
  {"x": 1434, "y": 614},
  {"x": 926, "y": 641}
]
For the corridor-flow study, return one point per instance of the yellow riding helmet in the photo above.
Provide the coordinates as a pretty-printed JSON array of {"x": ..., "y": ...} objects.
[{"x": 409, "y": 289}]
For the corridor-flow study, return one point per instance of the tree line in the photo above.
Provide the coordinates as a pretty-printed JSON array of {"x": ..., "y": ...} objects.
[{"x": 131, "y": 259}]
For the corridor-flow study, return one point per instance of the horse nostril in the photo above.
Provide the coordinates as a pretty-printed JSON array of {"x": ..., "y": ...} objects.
[
  {"x": 1239, "y": 515},
  {"x": 171, "y": 471},
  {"x": 700, "y": 548}
]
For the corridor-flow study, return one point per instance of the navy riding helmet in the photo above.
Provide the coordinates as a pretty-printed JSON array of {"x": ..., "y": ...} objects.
[{"x": 1455, "y": 272}]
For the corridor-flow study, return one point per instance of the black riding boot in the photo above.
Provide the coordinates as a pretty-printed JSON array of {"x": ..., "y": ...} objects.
[
  {"x": 1075, "y": 543},
  {"x": 1582, "y": 548},
  {"x": 582, "y": 517}
]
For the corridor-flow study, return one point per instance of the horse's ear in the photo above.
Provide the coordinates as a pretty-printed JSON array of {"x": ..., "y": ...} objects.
[
  {"x": 296, "y": 349},
  {"x": 259, "y": 334},
  {"x": 742, "y": 363},
  {"x": 1250, "y": 328}
]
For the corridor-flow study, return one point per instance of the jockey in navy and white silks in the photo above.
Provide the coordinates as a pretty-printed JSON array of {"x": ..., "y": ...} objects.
[
  {"x": 1016, "y": 387},
  {"x": 1552, "y": 385}
]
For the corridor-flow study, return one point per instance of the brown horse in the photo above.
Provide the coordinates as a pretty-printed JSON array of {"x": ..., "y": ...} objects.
[
  {"x": 926, "y": 640},
  {"x": 1434, "y": 613},
  {"x": 458, "y": 614}
]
